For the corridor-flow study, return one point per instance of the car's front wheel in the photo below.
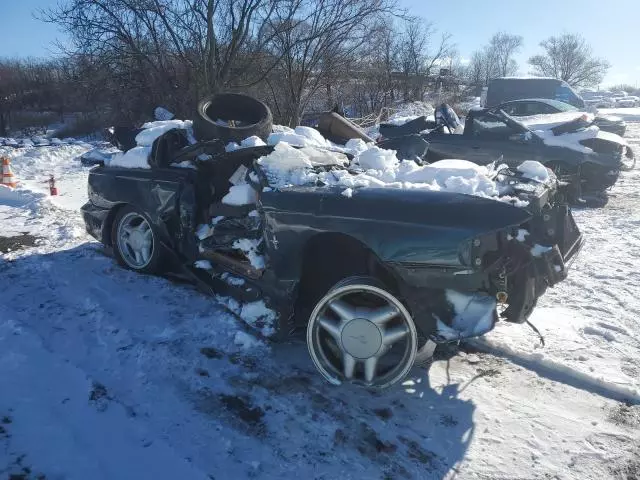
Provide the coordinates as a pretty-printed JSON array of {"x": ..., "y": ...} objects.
[
  {"x": 359, "y": 332},
  {"x": 135, "y": 242}
]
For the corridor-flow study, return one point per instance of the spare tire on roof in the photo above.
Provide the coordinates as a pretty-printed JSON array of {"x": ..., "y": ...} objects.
[{"x": 232, "y": 117}]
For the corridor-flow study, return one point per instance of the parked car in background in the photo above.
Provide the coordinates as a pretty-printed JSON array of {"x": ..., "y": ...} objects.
[
  {"x": 505, "y": 89},
  {"x": 627, "y": 102},
  {"x": 541, "y": 106},
  {"x": 600, "y": 102}
]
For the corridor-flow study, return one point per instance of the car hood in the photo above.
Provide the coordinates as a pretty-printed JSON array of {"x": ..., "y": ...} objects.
[{"x": 394, "y": 205}]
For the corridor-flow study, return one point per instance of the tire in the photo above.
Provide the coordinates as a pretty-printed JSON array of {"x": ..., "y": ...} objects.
[
  {"x": 360, "y": 332},
  {"x": 131, "y": 218},
  {"x": 424, "y": 354},
  {"x": 254, "y": 117}
]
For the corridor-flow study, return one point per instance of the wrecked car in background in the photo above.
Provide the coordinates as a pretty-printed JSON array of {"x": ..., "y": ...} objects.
[
  {"x": 543, "y": 106},
  {"x": 587, "y": 159},
  {"x": 377, "y": 260}
]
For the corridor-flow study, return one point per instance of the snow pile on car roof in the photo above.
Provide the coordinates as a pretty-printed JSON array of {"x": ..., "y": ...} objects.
[
  {"x": 138, "y": 156},
  {"x": 287, "y": 166}
]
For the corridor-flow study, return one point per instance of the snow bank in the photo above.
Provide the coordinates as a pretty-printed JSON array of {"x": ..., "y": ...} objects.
[{"x": 13, "y": 198}]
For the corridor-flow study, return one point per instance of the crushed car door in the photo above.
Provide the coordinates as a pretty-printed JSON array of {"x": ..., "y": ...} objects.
[
  {"x": 444, "y": 146},
  {"x": 492, "y": 138},
  {"x": 233, "y": 236}
]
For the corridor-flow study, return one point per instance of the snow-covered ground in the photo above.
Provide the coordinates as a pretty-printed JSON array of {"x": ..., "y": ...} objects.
[
  {"x": 107, "y": 374},
  {"x": 628, "y": 114}
]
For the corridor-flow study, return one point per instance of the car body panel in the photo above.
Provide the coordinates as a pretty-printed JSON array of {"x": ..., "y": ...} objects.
[
  {"x": 397, "y": 225},
  {"x": 166, "y": 195}
]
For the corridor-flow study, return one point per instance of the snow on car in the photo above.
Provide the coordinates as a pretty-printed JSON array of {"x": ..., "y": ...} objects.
[
  {"x": 627, "y": 102},
  {"x": 106, "y": 373}
]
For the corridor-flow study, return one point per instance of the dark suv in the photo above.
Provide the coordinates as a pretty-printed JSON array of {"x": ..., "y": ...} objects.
[{"x": 505, "y": 89}]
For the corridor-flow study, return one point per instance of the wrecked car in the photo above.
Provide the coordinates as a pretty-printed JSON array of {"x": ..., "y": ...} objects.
[
  {"x": 544, "y": 106},
  {"x": 376, "y": 260},
  {"x": 585, "y": 158}
]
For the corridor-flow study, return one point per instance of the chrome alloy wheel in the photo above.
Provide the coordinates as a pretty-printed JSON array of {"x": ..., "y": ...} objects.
[
  {"x": 135, "y": 240},
  {"x": 362, "y": 334}
]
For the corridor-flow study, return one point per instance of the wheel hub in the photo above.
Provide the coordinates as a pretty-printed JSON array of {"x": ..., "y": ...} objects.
[
  {"x": 361, "y": 338},
  {"x": 361, "y": 333},
  {"x": 136, "y": 240}
]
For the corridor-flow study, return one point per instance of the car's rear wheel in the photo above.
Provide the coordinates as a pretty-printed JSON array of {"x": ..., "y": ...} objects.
[
  {"x": 359, "y": 332},
  {"x": 135, "y": 242}
]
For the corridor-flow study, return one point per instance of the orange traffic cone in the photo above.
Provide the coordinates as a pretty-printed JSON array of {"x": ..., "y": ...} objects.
[{"x": 8, "y": 179}]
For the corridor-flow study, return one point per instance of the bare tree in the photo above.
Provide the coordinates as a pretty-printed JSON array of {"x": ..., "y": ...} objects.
[
  {"x": 171, "y": 50},
  {"x": 319, "y": 42},
  {"x": 494, "y": 60},
  {"x": 568, "y": 57},
  {"x": 418, "y": 58},
  {"x": 502, "y": 47},
  {"x": 624, "y": 87},
  {"x": 28, "y": 85}
]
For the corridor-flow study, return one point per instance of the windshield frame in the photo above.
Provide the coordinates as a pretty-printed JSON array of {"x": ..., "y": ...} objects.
[
  {"x": 509, "y": 120},
  {"x": 564, "y": 106}
]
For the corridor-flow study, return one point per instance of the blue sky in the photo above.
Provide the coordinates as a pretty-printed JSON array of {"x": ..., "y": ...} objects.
[{"x": 611, "y": 31}]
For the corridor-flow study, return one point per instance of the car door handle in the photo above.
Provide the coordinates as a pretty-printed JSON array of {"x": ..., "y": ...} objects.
[{"x": 475, "y": 147}]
